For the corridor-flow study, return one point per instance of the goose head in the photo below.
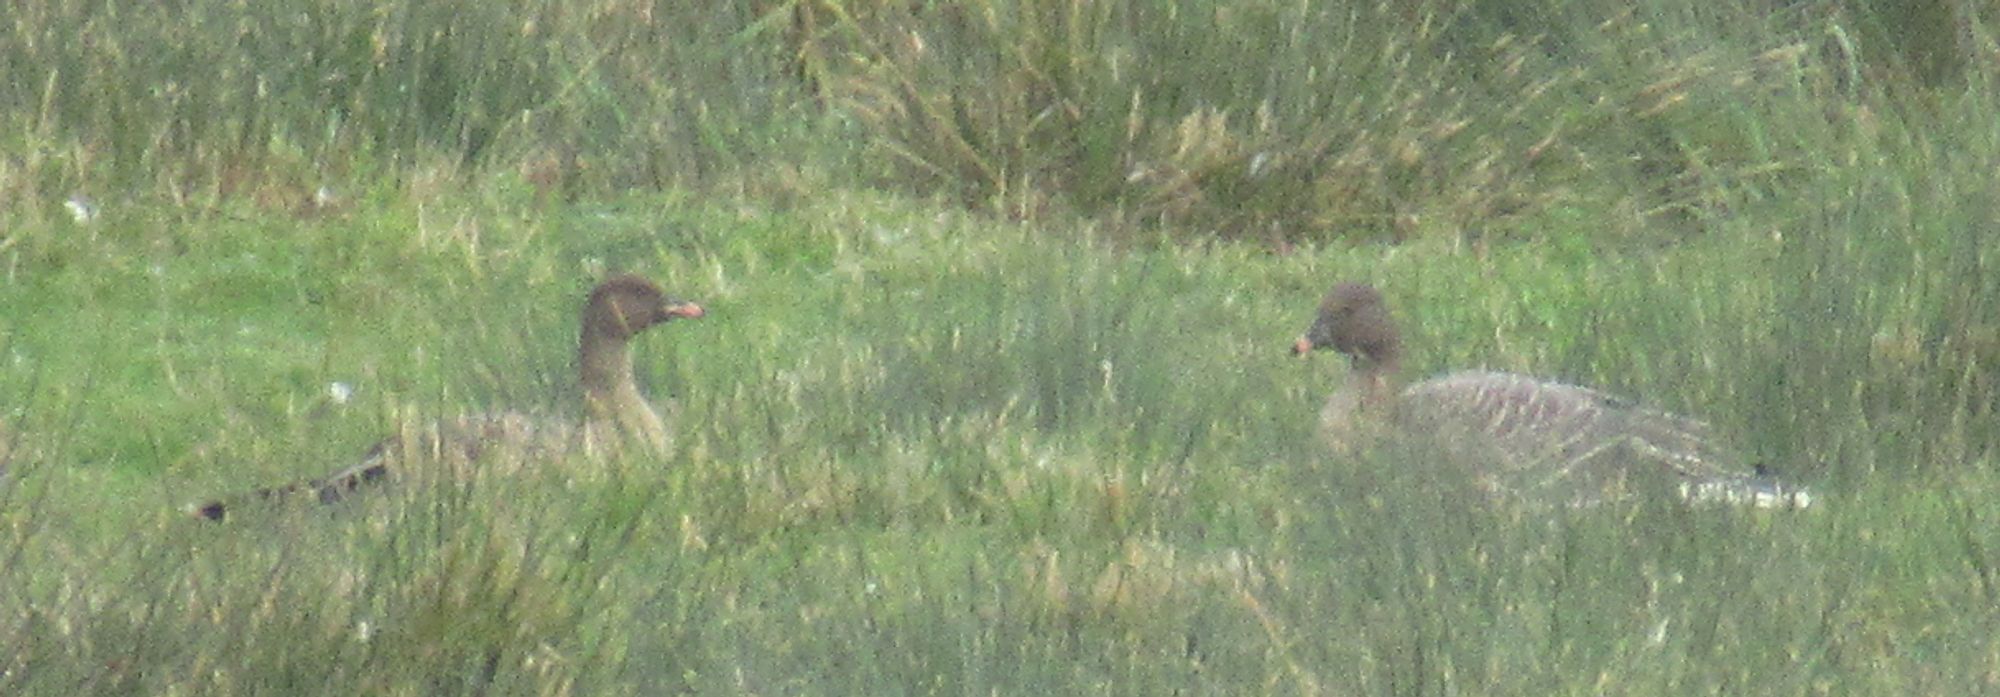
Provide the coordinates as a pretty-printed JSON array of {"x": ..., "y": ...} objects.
[
  {"x": 1353, "y": 321},
  {"x": 623, "y": 306}
]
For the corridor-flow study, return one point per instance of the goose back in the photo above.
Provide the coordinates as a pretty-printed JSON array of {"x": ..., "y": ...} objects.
[{"x": 1552, "y": 440}]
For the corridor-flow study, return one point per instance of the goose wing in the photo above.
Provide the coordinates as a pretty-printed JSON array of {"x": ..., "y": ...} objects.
[{"x": 1535, "y": 436}]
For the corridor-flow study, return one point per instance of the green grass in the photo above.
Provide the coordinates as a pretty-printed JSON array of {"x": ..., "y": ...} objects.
[
  {"x": 926, "y": 453},
  {"x": 993, "y": 394}
]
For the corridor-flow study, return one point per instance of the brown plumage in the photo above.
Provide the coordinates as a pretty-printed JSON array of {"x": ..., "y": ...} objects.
[
  {"x": 1518, "y": 435},
  {"x": 615, "y": 413}
]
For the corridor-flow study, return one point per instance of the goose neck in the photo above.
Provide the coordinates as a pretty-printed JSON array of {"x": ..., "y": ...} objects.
[{"x": 610, "y": 393}]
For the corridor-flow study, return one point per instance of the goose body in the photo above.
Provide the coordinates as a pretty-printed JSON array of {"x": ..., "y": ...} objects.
[
  {"x": 615, "y": 414},
  {"x": 1519, "y": 435}
]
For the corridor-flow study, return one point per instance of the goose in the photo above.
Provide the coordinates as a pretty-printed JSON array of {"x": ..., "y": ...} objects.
[
  {"x": 1517, "y": 435},
  {"x": 615, "y": 412}
]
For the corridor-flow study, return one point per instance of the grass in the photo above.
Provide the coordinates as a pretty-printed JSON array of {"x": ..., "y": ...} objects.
[
  {"x": 992, "y": 394},
  {"x": 928, "y": 453}
]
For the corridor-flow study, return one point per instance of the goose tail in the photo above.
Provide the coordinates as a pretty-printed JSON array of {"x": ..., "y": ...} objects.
[
  {"x": 328, "y": 489},
  {"x": 1763, "y": 489}
]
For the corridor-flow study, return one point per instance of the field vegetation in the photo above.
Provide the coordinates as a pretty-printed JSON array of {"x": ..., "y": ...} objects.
[{"x": 992, "y": 395}]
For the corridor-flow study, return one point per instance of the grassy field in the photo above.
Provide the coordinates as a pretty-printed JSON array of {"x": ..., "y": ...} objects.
[{"x": 992, "y": 396}]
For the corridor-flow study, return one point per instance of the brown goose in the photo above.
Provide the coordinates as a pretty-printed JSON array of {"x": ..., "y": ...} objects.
[
  {"x": 614, "y": 412},
  {"x": 1521, "y": 436}
]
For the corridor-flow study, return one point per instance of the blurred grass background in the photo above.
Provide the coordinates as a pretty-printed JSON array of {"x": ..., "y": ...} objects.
[{"x": 992, "y": 395}]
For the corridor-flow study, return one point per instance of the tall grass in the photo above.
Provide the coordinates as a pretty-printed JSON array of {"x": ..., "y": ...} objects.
[
  {"x": 206, "y": 103},
  {"x": 1263, "y": 120}
]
